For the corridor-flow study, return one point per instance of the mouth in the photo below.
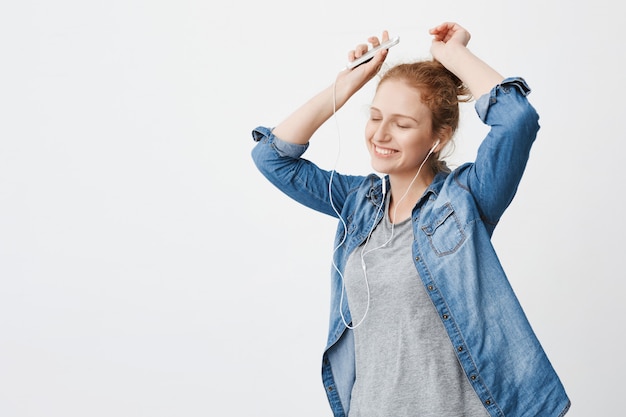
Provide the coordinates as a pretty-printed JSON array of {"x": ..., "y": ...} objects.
[{"x": 383, "y": 151}]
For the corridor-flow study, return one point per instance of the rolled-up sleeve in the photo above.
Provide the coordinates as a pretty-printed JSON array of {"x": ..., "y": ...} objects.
[
  {"x": 502, "y": 156},
  {"x": 487, "y": 100},
  {"x": 283, "y": 148}
]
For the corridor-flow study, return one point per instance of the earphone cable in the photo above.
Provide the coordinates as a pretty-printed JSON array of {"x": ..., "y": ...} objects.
[{"x": 345, "y": 227}]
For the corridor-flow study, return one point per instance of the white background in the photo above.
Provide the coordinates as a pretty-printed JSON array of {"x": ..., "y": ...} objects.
[{"x": 148, "y": 269}]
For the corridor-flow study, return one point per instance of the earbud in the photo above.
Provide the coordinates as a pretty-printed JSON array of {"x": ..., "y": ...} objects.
[
  {"x": 435, "y": 146},
  {"x": 384, "y": 185}
]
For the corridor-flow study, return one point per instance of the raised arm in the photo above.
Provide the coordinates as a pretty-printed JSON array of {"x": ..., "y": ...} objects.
[
  {"x": 302, "y": 124},
  {"x": 501, "y": 103},
  {"x": 449, "y": 46}
]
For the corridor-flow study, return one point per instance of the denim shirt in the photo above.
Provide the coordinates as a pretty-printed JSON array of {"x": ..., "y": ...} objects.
[{"x": 452, "y": 251}]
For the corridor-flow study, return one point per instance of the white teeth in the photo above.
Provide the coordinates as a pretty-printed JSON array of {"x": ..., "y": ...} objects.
[{"x": 383, "y": 151}]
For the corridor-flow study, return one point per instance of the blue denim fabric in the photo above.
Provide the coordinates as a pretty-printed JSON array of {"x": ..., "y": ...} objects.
[{"x": 452, "y": 224}]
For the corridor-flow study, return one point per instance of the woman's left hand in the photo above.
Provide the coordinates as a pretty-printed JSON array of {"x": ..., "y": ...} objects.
[{"x": 448, "y": 34}]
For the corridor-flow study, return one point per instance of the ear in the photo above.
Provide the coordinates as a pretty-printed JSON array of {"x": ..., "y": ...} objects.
[{"x": 442, "y": 138}]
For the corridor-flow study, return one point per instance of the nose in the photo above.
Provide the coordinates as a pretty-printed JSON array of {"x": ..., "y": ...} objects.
[{"x": 381, "y": 134}]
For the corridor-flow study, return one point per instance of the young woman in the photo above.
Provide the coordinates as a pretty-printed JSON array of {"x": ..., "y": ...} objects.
[{"x": 423, "y": 319}]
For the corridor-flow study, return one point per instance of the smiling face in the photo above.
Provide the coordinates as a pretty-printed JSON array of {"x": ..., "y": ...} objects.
[{"x": 399, "y": 132}]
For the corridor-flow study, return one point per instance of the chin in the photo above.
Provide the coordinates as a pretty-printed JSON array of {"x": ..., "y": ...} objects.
[{"x": 380, "y": 168}]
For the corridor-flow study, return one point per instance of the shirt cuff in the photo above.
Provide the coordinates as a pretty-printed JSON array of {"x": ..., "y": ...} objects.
[
  {"x": 283, "y": 148},
  {"x": 487, "y": 100}
]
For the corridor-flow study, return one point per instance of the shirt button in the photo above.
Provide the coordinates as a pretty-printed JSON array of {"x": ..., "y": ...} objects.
[
  {"x": 430, "y": 288},
  {"x": 473, "y": 377},
  {"x": 417, "y": 259},
  {"x": 330, "y": 388},
  {"x": 460, "y": 348},
  {"x": 488, "y": 402},
  {"x": 445, "y": 317}
]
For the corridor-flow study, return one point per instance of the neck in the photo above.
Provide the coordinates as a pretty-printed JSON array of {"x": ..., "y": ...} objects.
[{"x": 405, "y": 193}]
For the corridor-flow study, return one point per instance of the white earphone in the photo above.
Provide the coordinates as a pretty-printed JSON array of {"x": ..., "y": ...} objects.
[
  {"x": 384, "y": 183},
  {"x": 435, "y": 146}
]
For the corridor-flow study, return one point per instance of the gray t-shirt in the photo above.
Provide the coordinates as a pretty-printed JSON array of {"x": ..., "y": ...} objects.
[{"x": 405, "y": 362}]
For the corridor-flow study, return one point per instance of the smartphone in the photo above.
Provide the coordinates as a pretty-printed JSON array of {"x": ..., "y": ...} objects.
[{"x": 370, "y": 54}]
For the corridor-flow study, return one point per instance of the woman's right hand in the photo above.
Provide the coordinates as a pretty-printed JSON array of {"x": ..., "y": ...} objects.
[
  {"x": 349, "y": 81},
  {"x": 300, "y": 126}
]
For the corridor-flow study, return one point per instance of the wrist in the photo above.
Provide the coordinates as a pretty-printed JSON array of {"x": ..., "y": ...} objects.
[
  {"x": 341, "y": 91},
  {"x": 452, "y": 55}
]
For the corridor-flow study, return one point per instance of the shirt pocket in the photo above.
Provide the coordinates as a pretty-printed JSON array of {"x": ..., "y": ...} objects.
[{"x": 443, "y": 230}]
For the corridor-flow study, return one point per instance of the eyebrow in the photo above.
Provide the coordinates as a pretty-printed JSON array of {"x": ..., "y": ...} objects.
[{"x": 395, "y": 114}]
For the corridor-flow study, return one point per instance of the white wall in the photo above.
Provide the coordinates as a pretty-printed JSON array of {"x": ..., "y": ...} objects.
[{"x": 146, "y": 267}]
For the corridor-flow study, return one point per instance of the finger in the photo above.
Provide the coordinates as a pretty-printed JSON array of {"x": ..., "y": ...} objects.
[
  {"x": 436, "y": 29},
  {"x": 378, "y": 59},
  {"x": 445, "y": 26},
  {"x": 373, "y": 40},
  {"x": 360, "y": 50},
  {"x": 441, "y": 31}
]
